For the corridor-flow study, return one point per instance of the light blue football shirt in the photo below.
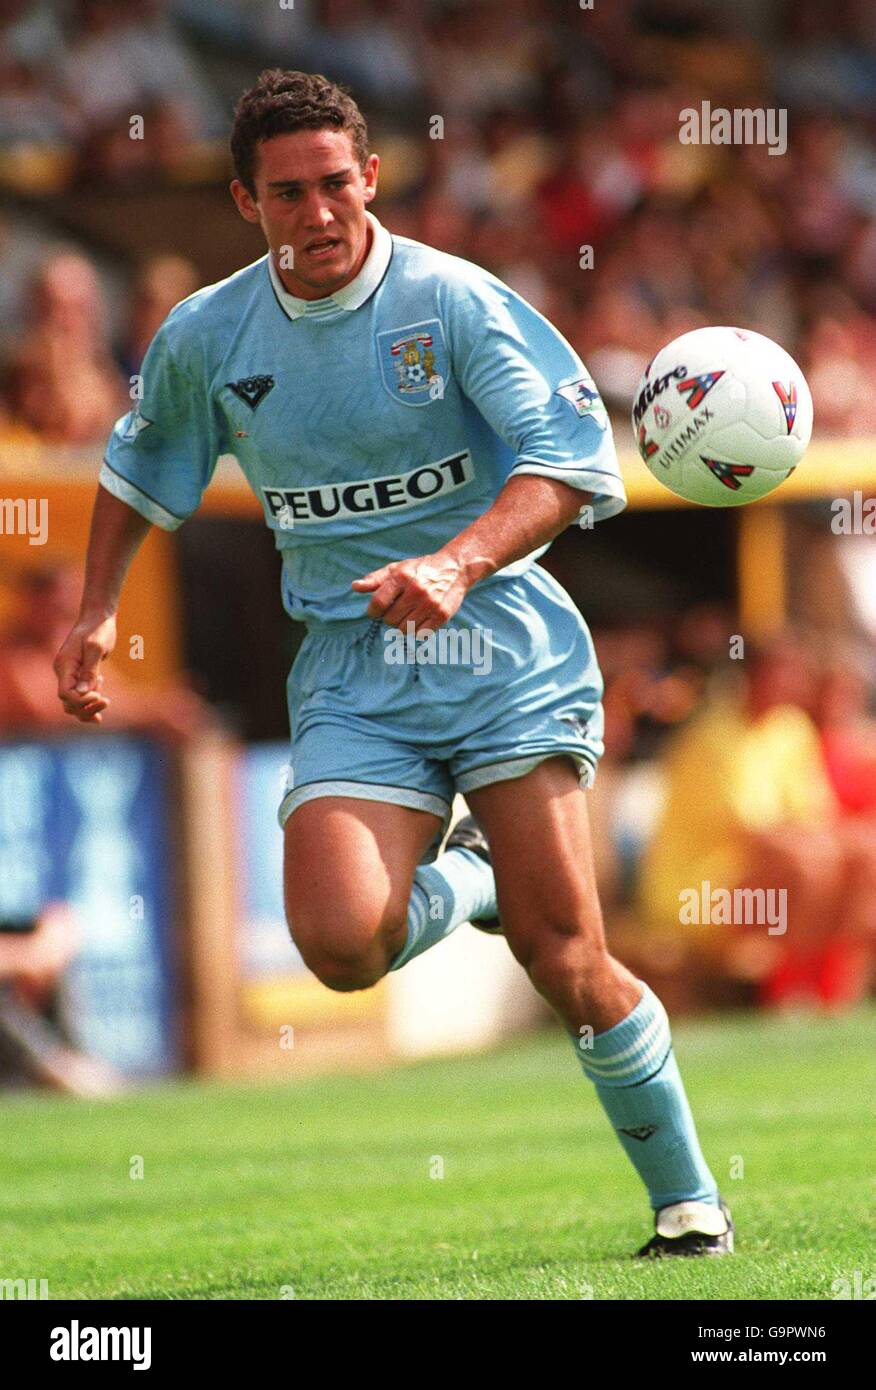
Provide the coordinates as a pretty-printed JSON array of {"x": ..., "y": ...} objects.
[{"x": 373, "y": 425}]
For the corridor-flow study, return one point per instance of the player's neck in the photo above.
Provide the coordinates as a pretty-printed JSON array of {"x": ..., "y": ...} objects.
[{"x": 300, "y": 291}]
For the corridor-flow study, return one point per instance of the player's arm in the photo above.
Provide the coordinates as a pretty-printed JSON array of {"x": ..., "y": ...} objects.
[
  {"x": 159, "y": 460},
  {"x": 117, "y": 532},
  {"x": 535, "y": 393},
  {"x": 529, "y": 513}
]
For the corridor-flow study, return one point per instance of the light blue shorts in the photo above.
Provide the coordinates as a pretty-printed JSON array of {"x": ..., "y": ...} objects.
[{"x": 380, "y": 715}]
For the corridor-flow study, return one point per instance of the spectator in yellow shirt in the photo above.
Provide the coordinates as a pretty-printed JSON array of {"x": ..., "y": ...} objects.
[{"x": 749, "y": 858}]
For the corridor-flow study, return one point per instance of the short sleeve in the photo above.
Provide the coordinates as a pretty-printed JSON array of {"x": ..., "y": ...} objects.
[
  {"x": 162, "y": 454},
  {"x": 534, "y": 391}
]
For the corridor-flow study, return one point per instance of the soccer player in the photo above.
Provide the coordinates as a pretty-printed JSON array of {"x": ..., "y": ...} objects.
[{"x": 417, "y": 435}]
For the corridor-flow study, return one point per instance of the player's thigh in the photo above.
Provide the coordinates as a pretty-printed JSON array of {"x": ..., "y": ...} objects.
[
  {"x": 539, "y": 835},
  {"x": 348, "y": 869}
]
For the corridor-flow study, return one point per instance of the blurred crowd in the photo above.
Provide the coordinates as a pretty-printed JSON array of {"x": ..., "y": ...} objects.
[
  {"x": 63, "y": 379},
  {"x": 515, "y": 133},
  {"x": 741, "y": 767},
  {"x": 46, "y": 605}
]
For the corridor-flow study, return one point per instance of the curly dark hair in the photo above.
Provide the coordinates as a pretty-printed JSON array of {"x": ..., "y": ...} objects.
[{"x": 284, "y": 101}]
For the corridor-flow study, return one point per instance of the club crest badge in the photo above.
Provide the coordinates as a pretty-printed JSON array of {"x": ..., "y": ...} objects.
[{"x": 413, "y": 362}]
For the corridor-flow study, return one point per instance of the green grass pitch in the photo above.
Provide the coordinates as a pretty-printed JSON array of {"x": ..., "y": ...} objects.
[{"x": 328, "y": 1188}]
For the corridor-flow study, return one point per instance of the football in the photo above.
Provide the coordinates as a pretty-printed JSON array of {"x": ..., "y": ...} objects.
[{"x": 722, "y": 416}]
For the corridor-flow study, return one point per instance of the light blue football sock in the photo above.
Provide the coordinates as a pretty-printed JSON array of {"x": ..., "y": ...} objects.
[
  {"x": 638, "y": 1082},
  {"x": 458, "y": 886}
]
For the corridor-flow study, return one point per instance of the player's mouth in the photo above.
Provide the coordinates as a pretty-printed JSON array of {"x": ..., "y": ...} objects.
[{"x": 322, "y": 249}]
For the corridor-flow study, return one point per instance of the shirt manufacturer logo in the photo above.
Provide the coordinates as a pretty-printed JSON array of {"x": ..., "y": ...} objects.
[
  {"x": 252, "y": 389},
  {"x": 640, "y": 1132}
]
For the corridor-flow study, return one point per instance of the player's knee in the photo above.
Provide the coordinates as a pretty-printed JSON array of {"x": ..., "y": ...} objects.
[
  {"x": 559, "y": 933},
  {"x": 349, "y": 952},
  {"x": 346, "y": 974},
  {"x": 565, "y": 953}
]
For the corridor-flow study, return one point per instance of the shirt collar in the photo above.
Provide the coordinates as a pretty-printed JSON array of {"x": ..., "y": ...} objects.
[{"x": 351, "y": 296}]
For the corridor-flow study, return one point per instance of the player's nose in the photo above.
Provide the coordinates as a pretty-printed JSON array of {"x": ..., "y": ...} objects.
[{"x": 317, "y": 214}]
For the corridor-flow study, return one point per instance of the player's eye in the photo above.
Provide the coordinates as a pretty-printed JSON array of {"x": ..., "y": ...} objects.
[{"x": 337, "y": 183}]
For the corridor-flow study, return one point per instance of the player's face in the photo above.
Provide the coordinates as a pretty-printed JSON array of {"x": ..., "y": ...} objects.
[{"x": 311, "y": 195}]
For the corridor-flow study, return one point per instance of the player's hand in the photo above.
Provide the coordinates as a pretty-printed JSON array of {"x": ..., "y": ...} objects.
[
  {"x": 77, "y": 667},
  {"x": 426, "y": 591}
]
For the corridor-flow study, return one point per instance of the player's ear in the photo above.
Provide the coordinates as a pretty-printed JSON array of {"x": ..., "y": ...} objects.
[
  {"x": 246, "y": 203},
  {"x": 369, "y": 176}
]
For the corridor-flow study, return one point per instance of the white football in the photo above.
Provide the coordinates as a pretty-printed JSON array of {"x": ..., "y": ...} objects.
[{"x": 722, "y": 416}]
